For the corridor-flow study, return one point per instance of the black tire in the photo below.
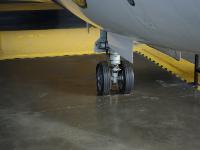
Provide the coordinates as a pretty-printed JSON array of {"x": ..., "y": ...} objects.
[
  {"x": 103, "y": 79},
  {"x": 126, "y": 81}
]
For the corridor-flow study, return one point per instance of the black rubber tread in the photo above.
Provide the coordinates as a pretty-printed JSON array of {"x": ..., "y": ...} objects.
[
  {"x": 106, "y": 74},
  {"x": 128, "y": 78}
]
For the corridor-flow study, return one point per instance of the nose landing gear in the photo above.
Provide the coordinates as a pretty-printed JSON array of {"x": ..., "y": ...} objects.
[{"x": 115, "y": 72}]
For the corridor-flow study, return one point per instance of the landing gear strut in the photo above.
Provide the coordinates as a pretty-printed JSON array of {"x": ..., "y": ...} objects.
[{"x": 114, "y": 72}]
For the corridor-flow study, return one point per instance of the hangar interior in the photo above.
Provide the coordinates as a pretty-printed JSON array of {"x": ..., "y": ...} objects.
[{"x": 48, "y": 89}]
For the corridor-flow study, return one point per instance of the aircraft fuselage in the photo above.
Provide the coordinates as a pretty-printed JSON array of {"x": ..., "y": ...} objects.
[{"x": 172, "y": 24}]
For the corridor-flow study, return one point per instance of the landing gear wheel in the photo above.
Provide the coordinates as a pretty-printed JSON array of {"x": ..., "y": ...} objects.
[
  {"x": 103, "y": 78},
  {"x": 126, "y": 78}
]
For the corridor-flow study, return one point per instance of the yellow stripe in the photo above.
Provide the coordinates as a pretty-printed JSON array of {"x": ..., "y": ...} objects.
[
  {"x": 59, "y": 42},
  {"x": 29, "y": 6}
]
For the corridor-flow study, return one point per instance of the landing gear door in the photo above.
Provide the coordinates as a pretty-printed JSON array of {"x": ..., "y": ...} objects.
[{"x": 122, "y": 45}]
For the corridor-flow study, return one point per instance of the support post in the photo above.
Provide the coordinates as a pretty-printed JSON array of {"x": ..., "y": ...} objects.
[{"x": 196, "y": 71}]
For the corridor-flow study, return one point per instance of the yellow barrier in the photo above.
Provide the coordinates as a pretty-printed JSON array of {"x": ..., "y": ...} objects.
[
  {"x": 59, "y": 42},
  {"x": 182, "y": 69},
  {"x": 42, "y": 43}
]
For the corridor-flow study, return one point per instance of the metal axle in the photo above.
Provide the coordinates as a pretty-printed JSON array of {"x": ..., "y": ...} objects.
[{"x": 115, "y": 61}]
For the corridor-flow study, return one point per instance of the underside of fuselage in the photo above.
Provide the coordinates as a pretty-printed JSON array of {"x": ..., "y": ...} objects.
[{"x": 168, "y": 24}]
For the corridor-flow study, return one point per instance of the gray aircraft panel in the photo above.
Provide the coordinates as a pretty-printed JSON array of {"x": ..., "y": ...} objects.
[{"x": 172, "y": 24}]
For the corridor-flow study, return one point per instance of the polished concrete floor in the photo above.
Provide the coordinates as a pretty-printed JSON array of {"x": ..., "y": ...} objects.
[{"x": 51, "y": 104}]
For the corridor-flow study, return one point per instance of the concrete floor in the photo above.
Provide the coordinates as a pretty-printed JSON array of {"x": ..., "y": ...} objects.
[{"x": 51, "y": 103}]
